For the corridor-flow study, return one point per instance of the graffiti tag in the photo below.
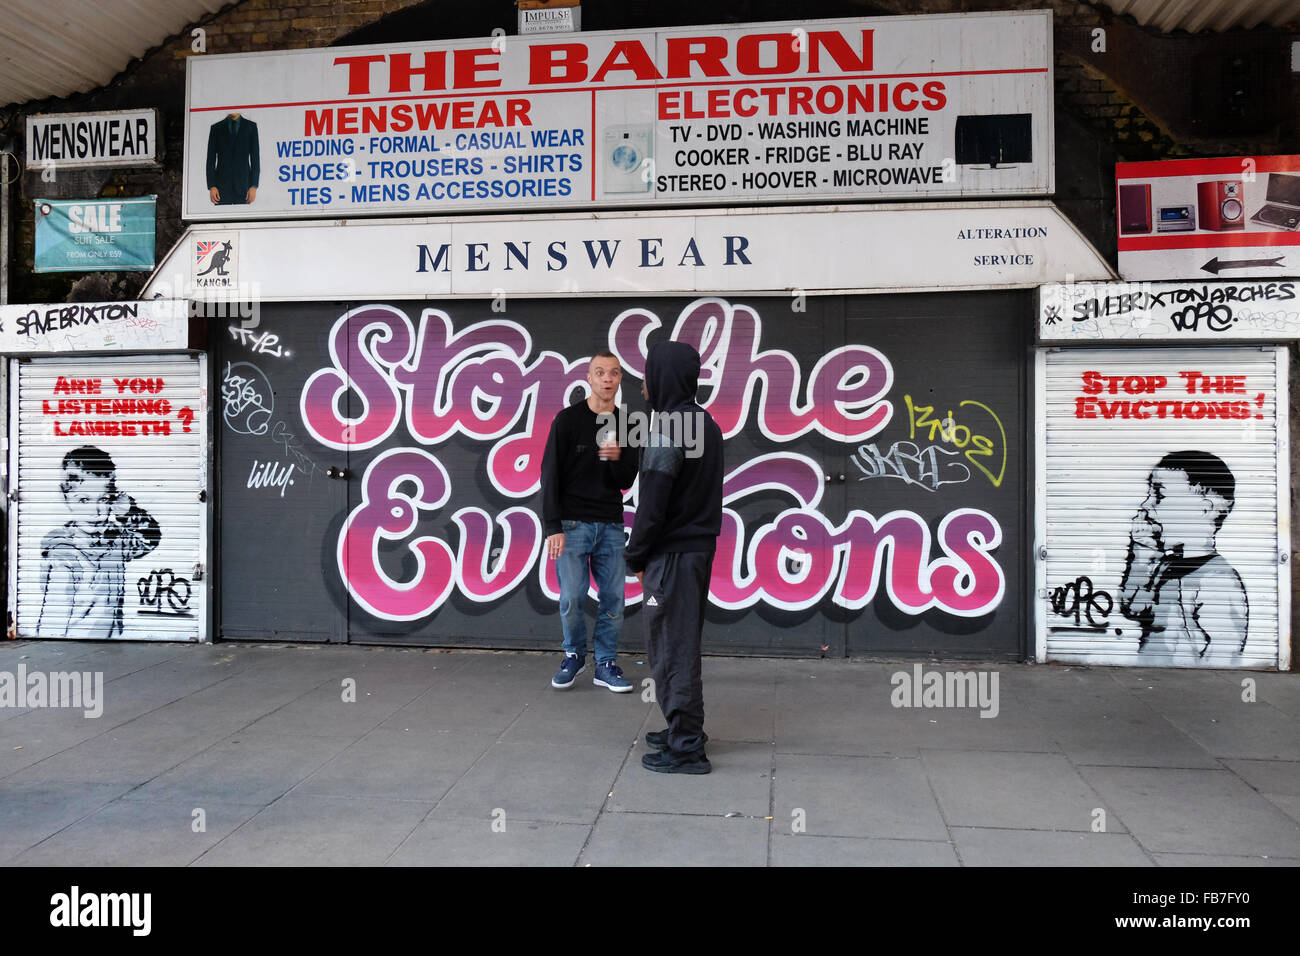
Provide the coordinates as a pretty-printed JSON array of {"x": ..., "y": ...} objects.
[
  {"x": 248, "y": 399},
  {"x": 163, "y": 592},
  {"x": 907, "y": 462}
]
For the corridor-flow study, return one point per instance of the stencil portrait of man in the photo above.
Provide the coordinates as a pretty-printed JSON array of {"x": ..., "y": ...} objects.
[
  {"x": 1185, "y": 596},
  {"x": 83, "y": 563}
]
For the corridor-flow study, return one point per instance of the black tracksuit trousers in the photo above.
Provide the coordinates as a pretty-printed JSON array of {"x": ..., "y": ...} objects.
[{"x": 676, "y": 592}]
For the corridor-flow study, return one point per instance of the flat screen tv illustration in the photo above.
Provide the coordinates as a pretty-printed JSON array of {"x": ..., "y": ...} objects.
[{"x": 998, "y": 139}]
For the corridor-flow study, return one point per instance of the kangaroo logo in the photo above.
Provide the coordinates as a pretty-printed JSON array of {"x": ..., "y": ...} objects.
[{"x": 218, "y": 260}]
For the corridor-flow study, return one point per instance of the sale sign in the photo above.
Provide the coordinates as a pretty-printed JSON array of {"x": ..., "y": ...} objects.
[
  {"x": 897, "y": 107},
  {"x": 100, "y": 235}
]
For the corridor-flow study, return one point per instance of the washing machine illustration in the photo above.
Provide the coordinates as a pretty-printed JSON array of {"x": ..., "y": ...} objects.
[{"x": 627, "y": 150}]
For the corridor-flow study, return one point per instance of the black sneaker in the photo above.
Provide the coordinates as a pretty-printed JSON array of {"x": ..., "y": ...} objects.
[
  {"x": 658, "y": 739},
  {"x": 669, "y": 762}
]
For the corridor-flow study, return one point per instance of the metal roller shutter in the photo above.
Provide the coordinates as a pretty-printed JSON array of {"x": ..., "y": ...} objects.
[
  {"x": 1162, "y": 507},
  {"x": 108, "y": 528}
]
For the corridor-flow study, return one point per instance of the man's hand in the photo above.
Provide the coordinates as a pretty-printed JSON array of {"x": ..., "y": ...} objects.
[
  {"x": 555, "y": 545},
  {"x": 640, "y": 576},
  {"x": 215, "y": 195},
  {"x": 610, "y": 452},
  {"x": 251, "y": 194}
]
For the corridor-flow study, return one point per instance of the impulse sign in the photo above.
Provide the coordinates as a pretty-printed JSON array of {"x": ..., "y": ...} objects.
[{"x": 900, "y": 107}]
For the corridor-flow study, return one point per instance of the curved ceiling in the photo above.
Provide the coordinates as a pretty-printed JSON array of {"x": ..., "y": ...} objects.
[{"x": 60, "y": 47}]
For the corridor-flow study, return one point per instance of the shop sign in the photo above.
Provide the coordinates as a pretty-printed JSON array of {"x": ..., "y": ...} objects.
[{"x": 894, "y": 107}]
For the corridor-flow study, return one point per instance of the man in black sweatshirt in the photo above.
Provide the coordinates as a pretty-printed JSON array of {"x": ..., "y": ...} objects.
[
  {"x": 583, "y": 474},
  {"x": 674, "y": 537}
]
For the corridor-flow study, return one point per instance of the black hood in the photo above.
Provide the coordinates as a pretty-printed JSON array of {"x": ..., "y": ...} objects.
[{"x": 672, "y": 375}]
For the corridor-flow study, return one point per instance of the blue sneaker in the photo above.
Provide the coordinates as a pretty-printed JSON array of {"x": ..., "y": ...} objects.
[
  {"x": 611, "y": 675},
  {"x": 570, "y": 669}
]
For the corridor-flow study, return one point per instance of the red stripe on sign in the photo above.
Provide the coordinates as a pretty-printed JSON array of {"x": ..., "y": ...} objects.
[
  {"x": 591, "y": 168},
  {"x": 1222, "y": 241},
  {"x": 658, "y": 85},
  {"x": 1206, "y": 167}
]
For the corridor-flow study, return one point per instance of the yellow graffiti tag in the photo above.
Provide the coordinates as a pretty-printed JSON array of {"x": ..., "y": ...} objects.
[{"x": 976, "y": 446}]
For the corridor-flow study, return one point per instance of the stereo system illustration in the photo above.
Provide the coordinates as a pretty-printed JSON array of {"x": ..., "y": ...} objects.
[
  {"x": 1135, "y": 208},
  {"x": 1176, "y": 219},
  {"x": 1220, "y": 204}
]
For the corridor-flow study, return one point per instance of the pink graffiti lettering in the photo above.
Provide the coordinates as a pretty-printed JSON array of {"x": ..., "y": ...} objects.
[
  {"x": 798, "y": 558},
  {"x": 386, "y": 512},
  {"x": 522, "y": 538},
  {"x": 844, "y": 397},
  {"x": 475, "y": 382}
]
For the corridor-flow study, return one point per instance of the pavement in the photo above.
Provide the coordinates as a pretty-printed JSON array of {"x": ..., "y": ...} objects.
[{"x": 252, "y": 755}]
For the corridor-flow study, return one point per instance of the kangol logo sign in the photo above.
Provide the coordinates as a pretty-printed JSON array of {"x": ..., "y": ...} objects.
[{"x": 215, "y": 262}]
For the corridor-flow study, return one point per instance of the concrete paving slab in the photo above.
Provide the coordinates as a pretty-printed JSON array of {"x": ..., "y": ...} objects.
[
  {"x": 856, "y": 797},
  {"x": 252, "y": 695},
  {"x": 1243, "y": 731},
  {"x": 1021, "y": 791},
  {"x": 1268, "y": 776},
  {"x": 178, "y": 727},
  {"x": 451, "y": 842},
  {"x": 30, "y": 812},
  {"x": 1180, "y": 690},
  {"x": 664, "y": 839},
  {"x": 740, "y": 783},
  {"x": 580, "y": 715},
  {"x": 402, "y": 765},
  {"x": 319, "y": 831},
  {"x": 113, "y": 659},
  {"x": 35, "y": 736},
  {"x": 804, "y": 850},
  {"x": 980, "y": 846},
  {"x": 1280, "y": 690},
  {"x": 1014, "y": 728},
  {"x": 101, "y": 761},
  {"x": 138, "y": 833},
  {"x": 1211, "y": 812},
  {"x": 485, "y": 694},
  {"x": 1200, "y": 860},
  {"x": 1288, "y": 803},
  {"x": 460, "y": 709},
  {"x": 1136, "y": 737},
  {"x": 325, "y": 712},
  {"x": 251, "y": 769},
  {"x": 561, "y": 783}
]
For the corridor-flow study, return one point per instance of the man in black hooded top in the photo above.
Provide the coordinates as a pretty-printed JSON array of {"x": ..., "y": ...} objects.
[{"x": 674, "y": 537}]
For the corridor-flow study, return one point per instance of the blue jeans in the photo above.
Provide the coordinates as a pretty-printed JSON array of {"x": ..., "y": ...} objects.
[{"x": 592, "y": 549}]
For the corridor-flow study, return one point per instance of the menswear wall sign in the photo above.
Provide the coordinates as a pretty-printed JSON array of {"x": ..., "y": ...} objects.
[
  {"x": 794, "y": 250},
  {"x": 123, "y": 138}
]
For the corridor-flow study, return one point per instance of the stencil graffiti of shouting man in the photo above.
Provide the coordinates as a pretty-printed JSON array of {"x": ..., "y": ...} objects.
[
  {"x": 1176, "y": 585},
  {"x": 83, "y": 563}
]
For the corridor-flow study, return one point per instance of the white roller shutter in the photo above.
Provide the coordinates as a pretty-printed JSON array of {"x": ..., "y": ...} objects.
[
  {"x": 108, "y": 527},
  {"x": 1131, "y": 567}
]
